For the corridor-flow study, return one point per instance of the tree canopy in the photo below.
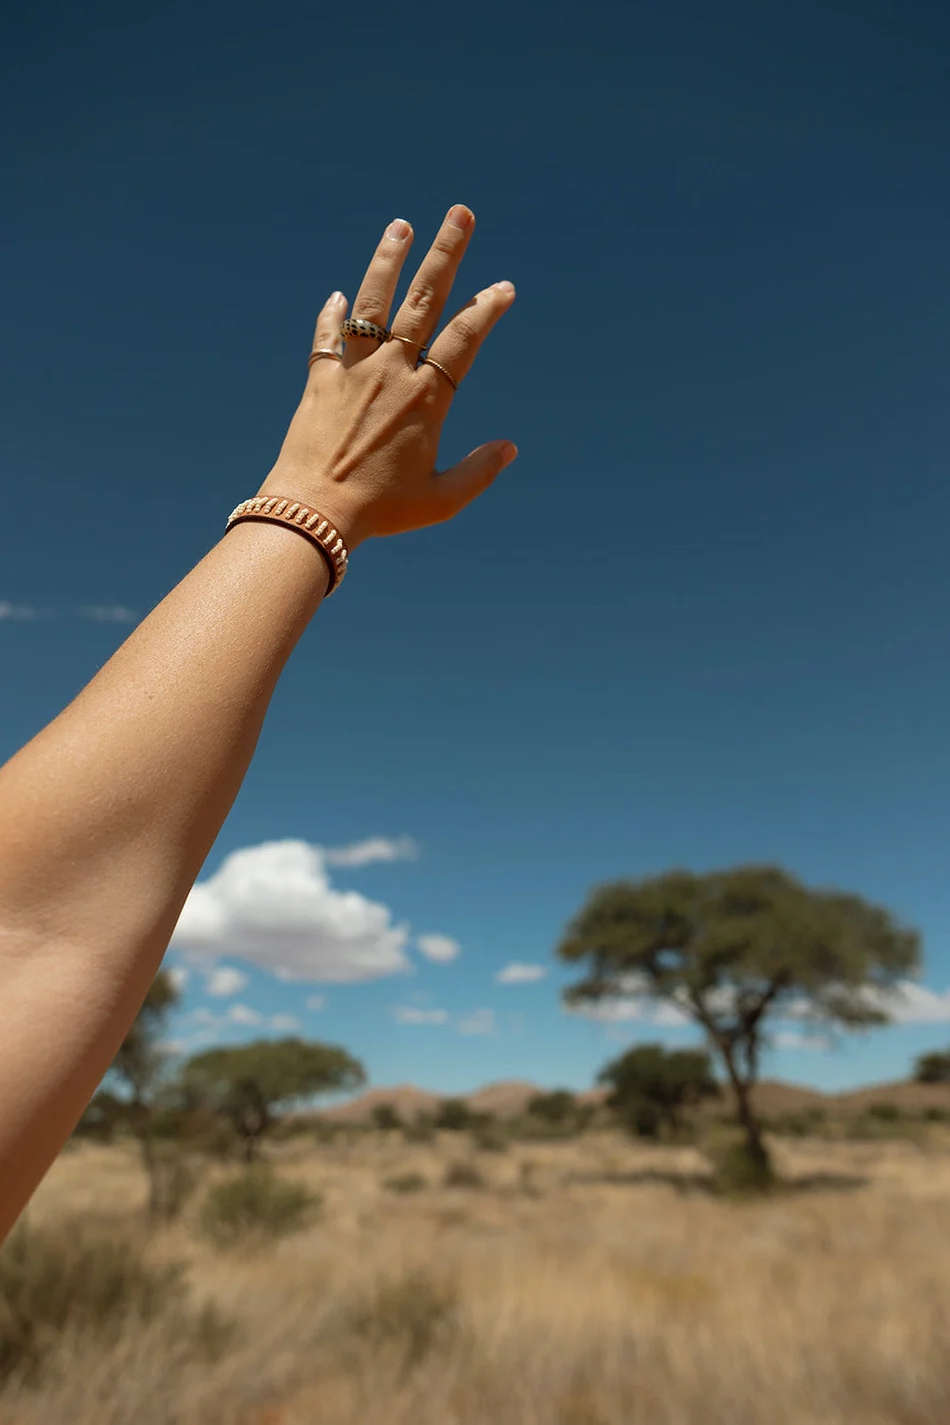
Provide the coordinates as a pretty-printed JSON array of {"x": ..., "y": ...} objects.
[
  {"x": 247, "y": 1083},
  {"x": 731, "y": 950},
  {"x": 933, "y": 1068},
  {"x": 651, "y": 1085}
]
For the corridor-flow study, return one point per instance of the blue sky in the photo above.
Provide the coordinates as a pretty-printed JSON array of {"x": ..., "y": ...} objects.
[{"x": 701, "y": 620}]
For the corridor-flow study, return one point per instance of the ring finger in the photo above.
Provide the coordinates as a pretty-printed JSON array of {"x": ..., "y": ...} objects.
[{"x": 378, "y": 288}]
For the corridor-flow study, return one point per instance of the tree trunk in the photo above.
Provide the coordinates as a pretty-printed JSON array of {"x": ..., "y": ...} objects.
[{"x": 742, "y": 1088}]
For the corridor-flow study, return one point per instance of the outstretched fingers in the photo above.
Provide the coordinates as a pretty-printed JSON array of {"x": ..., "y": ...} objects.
[
  {"x": 453, "y": 489},
  {"x": 458, "y": 344}
]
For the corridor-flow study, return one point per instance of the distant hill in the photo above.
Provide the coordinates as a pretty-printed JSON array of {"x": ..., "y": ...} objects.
[{"x": 509, "y": 1098}]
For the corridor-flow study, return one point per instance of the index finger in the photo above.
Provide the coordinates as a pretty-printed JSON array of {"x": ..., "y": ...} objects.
[{"x": 419, "y": 314}]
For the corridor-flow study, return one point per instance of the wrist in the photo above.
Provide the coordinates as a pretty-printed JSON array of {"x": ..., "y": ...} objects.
[{"x": 326, "y": 502}]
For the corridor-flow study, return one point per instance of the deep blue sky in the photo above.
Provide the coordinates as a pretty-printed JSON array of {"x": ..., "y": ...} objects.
[{"x": 701, "y": 620}]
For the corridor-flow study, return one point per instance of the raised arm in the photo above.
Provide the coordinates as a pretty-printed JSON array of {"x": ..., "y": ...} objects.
[{"x": 108, "y": 814}]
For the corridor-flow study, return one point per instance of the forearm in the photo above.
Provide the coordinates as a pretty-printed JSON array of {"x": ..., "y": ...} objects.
[{"x": 108, "y": 815}]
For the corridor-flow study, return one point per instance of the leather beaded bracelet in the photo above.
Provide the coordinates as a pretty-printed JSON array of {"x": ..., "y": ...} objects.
[{"x": 315, "y": 526}]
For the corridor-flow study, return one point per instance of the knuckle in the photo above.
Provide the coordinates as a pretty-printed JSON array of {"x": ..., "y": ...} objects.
[
  {"x": 467, "y": 329},
  {"x": 421, "y": 296}
]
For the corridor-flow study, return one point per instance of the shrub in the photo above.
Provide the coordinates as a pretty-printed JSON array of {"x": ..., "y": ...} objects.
[
  {"x": 386, "y": 1117},
  {"x": 737, "y": 1173},
  {"x": 884, "y": 1112},
  {"x": 798, "y": 1124},
  {"x": 463, "y": 1175},
  {"x": 406, "y": 1182},
  {"x": 936, "y": 1114},
  {"x": 490, "y": 1138},
  {"x": 412, "y": 1314},
  {"x": 421, "y": 1131},
  {"x": 173, "y": 1180},
  {"x": 75, "y": 1278},
  {"x": 255, "y": 1203},
  {"x": 454, "y": 1115}
]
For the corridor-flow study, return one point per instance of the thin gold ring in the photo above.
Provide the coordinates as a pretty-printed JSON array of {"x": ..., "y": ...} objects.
[
  {"x": 427, "y": 361},
  {"x": 408, "y": 340},
  {"x": 323, "y": 351}
]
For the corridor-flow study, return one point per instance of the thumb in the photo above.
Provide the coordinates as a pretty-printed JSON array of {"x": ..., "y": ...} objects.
[{"x": 464, "y": 482}]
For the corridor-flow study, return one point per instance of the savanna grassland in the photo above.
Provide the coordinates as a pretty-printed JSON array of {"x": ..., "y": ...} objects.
[{"x": 590, "y": 1281}]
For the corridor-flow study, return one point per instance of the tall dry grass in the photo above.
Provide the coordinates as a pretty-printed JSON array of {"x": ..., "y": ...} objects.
[{"x": 587, "y": 1283}]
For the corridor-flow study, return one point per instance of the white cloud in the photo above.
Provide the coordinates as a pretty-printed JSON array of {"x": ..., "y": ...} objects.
[
  {"x": 243, "y": 1014},
  {"x": 911, "y": 1003},
  {"x": 273, "y": 906},
  {"x": 286, "y": 1022},
  {"x": 17, "y": 611},
  {"x": 224, "y": 981},
  {"x": 376, "y": 848},
  {"x": 316, "y": 1002},
  {"x": 790, "y": 1039},
  {"x": 480, "y": 1021},
  {"x": 410, "y": 1014},
  {"x": 520, "y": 974},
  {"x": 108, "y": 613},
  {"x": 640, "y": 1009},
  {"x": 441, "y": 948},
  {"x": 179, "y": 976}
]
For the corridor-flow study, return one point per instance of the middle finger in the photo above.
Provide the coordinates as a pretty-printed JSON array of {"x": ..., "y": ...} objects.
[
  {"x": 379, "y": 287},
  {"x": 418, "y": 316}
]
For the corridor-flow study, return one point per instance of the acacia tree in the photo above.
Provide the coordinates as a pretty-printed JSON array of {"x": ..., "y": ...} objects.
[
  {"x": 650, "y": 1086},
  {"x": 734, "y": 949},
  {"x": 933, "y": 1068},
  {"x": 140, "y": 1066},
  {"x": 248, "y": 1083}
]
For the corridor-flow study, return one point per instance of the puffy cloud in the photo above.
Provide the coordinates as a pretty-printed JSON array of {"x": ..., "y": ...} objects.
[
  {"x": 911, "y": 1003},
  {"x": 224, "y": 981},
  {"x": 243, "y": 1014},
  {"x": 286, "y": 1023},
  {"x": 316, "y": 1002},
  {"x": 273, "y": 906},
  {"x": 520, "y": 974},
  {"x": 376, "y": 848},
  {"x": 480, "y": 1021},
  {"x": 179, "y": 976},
  {"x": 411, "y": 1014},
  {"x": 441, "y": 948}
]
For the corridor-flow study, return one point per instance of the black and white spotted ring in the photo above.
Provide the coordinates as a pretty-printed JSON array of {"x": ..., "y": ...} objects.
[{"x": 359, "y": 326}]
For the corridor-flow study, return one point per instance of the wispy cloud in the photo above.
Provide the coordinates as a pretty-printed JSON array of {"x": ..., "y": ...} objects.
[
  {"x": 441, "y": 948},
  {"x": 316, "y": 1002},
  {"x": 411, "y": 1014},
  {"x": 108, "y": 613},
  {"x": 273, "y": 906},
  {"x": 375, "y": 848},
  {"x": 13, "y": 612},
  {"x": 520, "y": 974},
  {"x": 179, "y": 976},
  {"x": 480, "y": 1021}
]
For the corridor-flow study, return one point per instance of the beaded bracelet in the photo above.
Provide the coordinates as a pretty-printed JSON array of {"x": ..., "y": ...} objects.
[{"x": 309, "y": 522}]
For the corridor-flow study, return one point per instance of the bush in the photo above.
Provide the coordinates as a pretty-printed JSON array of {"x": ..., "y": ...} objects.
[
  {"x": 255, "y": 1203},
  {"x": 454, "y": 1115},
  {"x": 884, "y": 1112},
  {"x": 75, "y": 1278},
  {"x": 412, "y": 1314},
  {"x": 406, "y": 1182},
  {"x": 737, "y": 1173},
  {"x": 173, "y": 1180},
  {"x": 798, "y": 1124},
  {"x": 421, "y": 1131},
  {"x": 490, "y": 1138},
  {"x": 463, "y": 1175},
  {"x": 386, "y": 1117},
  {"x": 936, "y": 1114}
]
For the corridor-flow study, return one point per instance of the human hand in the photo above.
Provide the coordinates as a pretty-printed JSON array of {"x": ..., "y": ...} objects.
[{"x": 363, "y": 442}]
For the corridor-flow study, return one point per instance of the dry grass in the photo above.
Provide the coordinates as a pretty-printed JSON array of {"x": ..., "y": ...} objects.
[{"x": 587, "y": 1283}]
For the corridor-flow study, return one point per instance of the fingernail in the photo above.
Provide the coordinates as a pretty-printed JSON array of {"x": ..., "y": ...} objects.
[
  {"x": 336, "y": 297},
  {"x": 460, "y": 216},
  {"x": 398, "y": 230},
  {"x": 508, "y": 452},
  {"x": 505, "y": 286}
]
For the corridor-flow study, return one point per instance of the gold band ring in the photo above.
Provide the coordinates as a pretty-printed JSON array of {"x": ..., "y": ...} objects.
[
  {"x": 427, "y": 361},
  {"x": 408, "y": 340},
  {"x": 323, "y": 351}
]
